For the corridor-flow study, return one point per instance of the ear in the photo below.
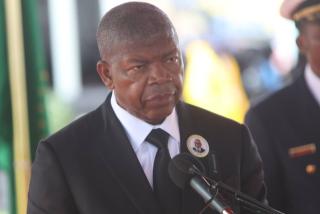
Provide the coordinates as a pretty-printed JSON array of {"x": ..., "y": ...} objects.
[
  {"x": 104, "y": 73},
  {"x": 301, "y": 43}
]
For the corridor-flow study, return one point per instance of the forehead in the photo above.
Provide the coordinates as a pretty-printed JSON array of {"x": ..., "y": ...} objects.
[
  {"x": 312, "y": 27},
  {"x": 157, "y": 45}
]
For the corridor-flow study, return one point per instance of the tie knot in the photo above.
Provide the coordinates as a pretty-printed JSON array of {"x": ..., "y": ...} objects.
[{"x": 158, "y": 138}]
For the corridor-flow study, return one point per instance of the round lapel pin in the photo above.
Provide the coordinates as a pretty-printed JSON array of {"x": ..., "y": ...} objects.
[{"x": 198, "y": 146}]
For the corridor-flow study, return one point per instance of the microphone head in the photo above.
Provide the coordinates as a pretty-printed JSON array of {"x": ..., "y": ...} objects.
[{"x": 183, "y": 167}]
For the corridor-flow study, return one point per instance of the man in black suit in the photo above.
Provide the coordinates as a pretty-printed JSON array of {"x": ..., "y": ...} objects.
[
  {"x": 104, "y": 162},
  {"x": 286, "y": 126}
]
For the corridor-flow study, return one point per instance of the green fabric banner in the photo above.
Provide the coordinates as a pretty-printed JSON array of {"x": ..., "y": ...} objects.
[
  {"x": 36, "y": 73},
  {"x": 36, "y": 90}
]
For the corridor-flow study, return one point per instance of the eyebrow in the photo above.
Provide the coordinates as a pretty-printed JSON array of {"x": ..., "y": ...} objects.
[
  {"x": 171, "y": 52},
  {"x": 140, "y": 59},
  {"x": 135, "y": 60}
]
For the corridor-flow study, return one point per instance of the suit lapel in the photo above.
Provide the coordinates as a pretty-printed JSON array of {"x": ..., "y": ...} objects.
[
  {"x": 191, "y": 201},
  {"x": 310, "y": 110},
  {"x": 121, "y": 161}
]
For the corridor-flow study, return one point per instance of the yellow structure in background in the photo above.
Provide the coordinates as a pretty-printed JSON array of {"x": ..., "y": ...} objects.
[
  {"x": 21, "y": 144},
  {"x": 213, "y": 82}
]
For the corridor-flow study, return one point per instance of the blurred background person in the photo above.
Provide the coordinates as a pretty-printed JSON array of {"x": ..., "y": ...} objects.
[{"x": 286, "y": 125}]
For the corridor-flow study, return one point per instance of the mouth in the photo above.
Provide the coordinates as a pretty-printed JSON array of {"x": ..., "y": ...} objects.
[
  {"x": 161, "y": 99},
  {"x": 161, "y": 95}
]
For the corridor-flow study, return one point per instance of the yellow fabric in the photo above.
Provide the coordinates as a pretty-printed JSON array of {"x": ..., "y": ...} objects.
[
  {"x": 22, "y": 162},
  {"x": 213, "y": 82}
]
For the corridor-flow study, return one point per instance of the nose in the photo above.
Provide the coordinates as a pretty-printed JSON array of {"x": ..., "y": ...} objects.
[{"x": 159, "y": 74}]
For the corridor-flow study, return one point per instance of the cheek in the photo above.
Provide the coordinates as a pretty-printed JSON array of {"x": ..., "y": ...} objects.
[
  {"x": 314, "y": 55},
  {"x": 178, "y": 81},
  {"x": 131, "y": 93}
]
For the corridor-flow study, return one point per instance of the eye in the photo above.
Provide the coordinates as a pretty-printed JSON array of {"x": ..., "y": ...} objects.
[
  {"x": 135, "y": 71},
  {"x": 136, "y": 67},
  {"x": 173, "y": 59}
]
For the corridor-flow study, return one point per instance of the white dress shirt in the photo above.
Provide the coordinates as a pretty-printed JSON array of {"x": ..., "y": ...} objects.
[
  {"x": 137, "y": 130},
  {"x": 313, "y": 82}
]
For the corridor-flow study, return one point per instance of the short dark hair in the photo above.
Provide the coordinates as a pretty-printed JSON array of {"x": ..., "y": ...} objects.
[{"x": 129, "y": 22}]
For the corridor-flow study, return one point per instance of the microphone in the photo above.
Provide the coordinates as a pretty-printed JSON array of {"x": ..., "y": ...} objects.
[{"x": 186, "y": 170}]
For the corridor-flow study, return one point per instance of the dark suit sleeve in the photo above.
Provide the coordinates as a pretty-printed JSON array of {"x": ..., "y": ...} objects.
[
  {"x": 272, "y": 168},
  {"x": 48, "y": 190},
  {"x": 252, "y": 177}
]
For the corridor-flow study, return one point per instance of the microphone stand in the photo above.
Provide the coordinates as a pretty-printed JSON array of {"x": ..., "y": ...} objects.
[{"x": 250, "y": 203}]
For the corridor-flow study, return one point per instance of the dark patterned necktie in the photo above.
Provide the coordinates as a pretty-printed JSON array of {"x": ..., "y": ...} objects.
[{"x": 165, "y": 190}]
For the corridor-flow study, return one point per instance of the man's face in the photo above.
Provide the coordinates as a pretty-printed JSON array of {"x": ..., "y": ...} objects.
[
  {"x": 309, "y": 45},
  {"x": 146, "y": 76}
]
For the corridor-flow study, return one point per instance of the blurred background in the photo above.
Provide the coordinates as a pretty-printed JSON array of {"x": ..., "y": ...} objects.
[{"x": 235, "y": 52}]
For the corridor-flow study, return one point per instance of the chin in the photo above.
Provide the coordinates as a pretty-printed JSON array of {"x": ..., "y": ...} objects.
[{"x": 158, "y": 116}]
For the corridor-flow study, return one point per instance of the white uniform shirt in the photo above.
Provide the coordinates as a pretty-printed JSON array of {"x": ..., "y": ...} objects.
[
  {"x": 137, "y": 130},
  {"x": 313, "y": 82}
]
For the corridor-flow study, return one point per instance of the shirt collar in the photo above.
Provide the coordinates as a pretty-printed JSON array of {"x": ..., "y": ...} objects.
[
  {"x": 313, "y": 82},
  {"x": 137, "y": 130}
]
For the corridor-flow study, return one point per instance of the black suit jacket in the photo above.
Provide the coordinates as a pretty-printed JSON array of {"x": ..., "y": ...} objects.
[
  {"x": 90, "y": 166},
  {"x": 286, "y": 120}
]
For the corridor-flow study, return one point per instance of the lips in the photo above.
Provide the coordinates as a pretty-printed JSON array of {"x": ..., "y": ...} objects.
[
  {"x": 162, "y": 95},
  {"x": 161, "y": 99},
  {"x": 159, "y": 95}
]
